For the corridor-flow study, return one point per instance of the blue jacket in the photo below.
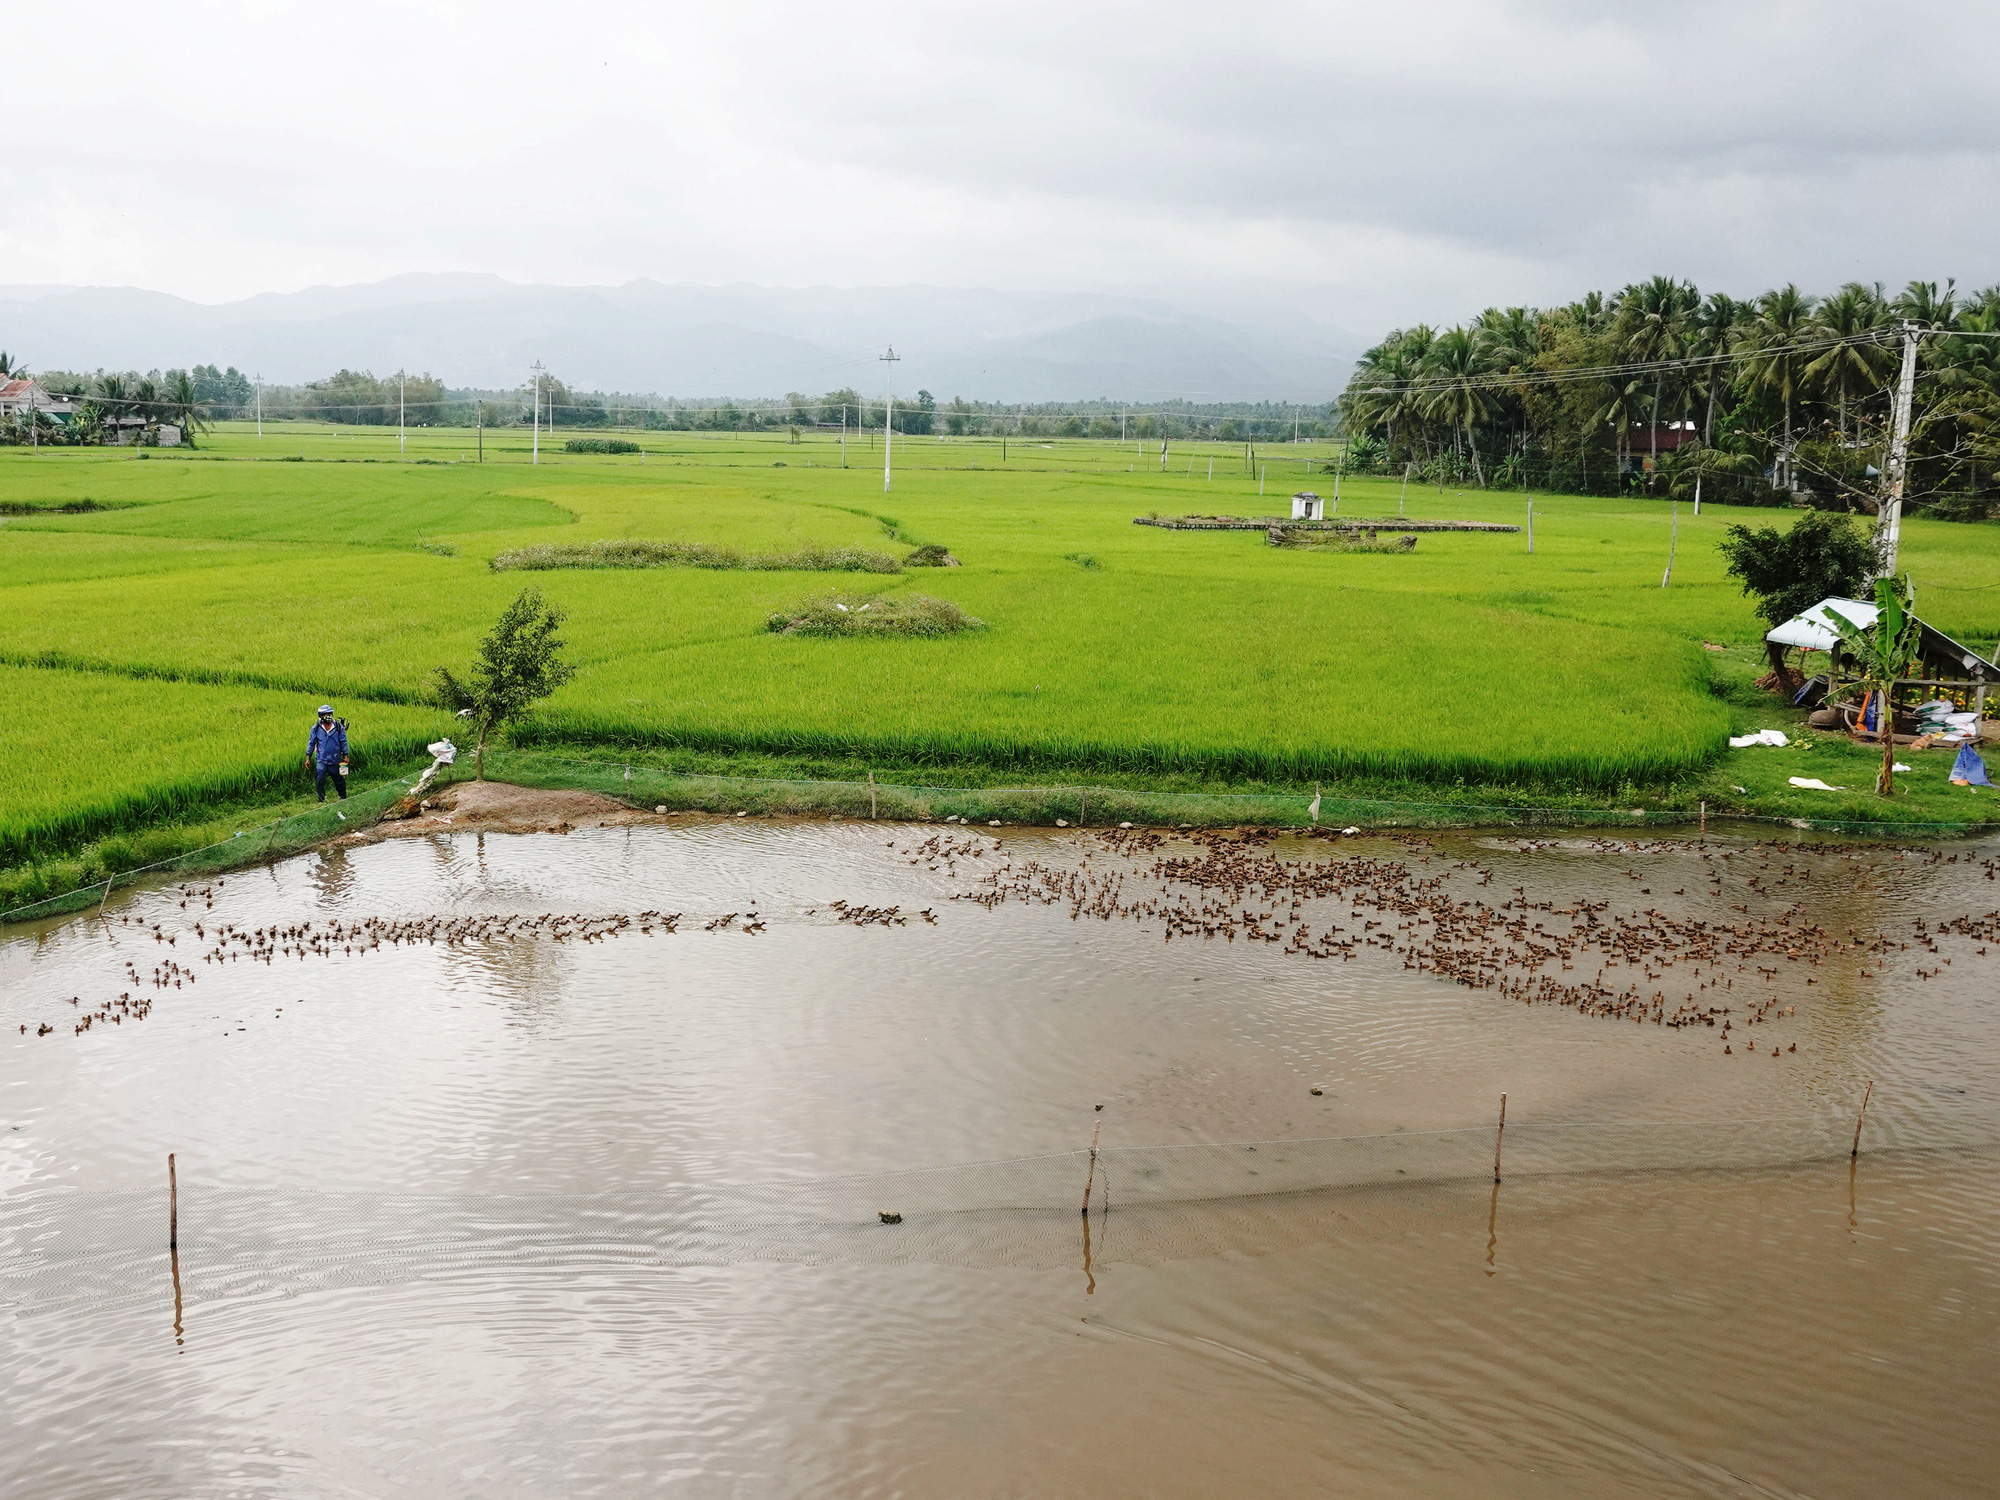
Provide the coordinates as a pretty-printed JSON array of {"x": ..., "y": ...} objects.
[{"x": 327, "y": 747}]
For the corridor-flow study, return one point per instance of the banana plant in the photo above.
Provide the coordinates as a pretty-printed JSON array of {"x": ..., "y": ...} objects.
[{"x": 1882, "y": 655}]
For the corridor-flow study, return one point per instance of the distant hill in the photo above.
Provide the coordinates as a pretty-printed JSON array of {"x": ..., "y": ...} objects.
[{"x": 685, "y": 340}]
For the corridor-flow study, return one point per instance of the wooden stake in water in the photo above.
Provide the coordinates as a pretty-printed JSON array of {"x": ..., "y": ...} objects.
[
  {"x": 1497, "y": 1136},
  {"x": 871, "y": 794},
  {"x": 173, "y": 1206},
  {"x": 1090, "y": 1178},
  {"x": 1851, "y": 1155},
  {"x": 1704, "y": 821}
]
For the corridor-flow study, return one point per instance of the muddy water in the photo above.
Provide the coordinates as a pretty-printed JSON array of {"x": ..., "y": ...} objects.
[{"x": 513, "y": 1199}]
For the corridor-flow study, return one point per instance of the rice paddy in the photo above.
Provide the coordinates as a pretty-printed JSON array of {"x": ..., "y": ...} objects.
[{"x": 218, "y": 598}]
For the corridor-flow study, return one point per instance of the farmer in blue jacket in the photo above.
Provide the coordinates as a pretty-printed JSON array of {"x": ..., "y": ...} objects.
[{"x": 326, "y": 752}]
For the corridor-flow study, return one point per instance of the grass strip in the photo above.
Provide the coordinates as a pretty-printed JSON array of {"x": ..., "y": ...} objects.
[{"x": 549, "y": 556}]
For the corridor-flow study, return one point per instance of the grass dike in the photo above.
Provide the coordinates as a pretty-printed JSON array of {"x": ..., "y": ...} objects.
[{"x": 554, "y": 556}]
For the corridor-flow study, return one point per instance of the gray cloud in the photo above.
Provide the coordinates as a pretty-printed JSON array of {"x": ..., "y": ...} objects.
[{"x": 1335, "y": 163}]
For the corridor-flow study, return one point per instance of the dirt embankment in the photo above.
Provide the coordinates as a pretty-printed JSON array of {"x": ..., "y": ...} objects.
[{"x": 497, "y": 807}]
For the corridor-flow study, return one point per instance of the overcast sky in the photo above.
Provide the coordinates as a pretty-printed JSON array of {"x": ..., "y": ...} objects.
[{"x": 1362, "y": 165}]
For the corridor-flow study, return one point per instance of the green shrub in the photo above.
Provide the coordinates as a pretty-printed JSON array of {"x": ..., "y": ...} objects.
[
  {"x": 930, "y": 556},
  {"x": 873, "y": 614},
  {"x": 600, "y": 445}
]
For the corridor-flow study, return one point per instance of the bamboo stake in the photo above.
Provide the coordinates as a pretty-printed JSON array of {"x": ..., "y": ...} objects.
[
  {"x": 1856, "y": 1152},
  {"x": 1090, "y": 1178},
  {"x": 871, "y": 794},
  {"x": 1497, "y": 1135},
  {"x": 173, "y": 1206}
]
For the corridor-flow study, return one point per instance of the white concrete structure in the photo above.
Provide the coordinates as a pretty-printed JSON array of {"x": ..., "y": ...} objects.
[{"x": 1306, "y": 506}]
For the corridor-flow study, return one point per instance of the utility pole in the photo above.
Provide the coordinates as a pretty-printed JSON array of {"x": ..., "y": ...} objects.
[
  {"x": 260, "y": 406},
  {"x": 34, "y": 427},
  {"x": 888, "y": 414},
  {"x": 479, "y": 425},
  {"x": 402, "y": 442},
  {"x": 843, "y": 434},
  {"x": 1889, "y": 534},
  {"x": 535, "y": 451}
]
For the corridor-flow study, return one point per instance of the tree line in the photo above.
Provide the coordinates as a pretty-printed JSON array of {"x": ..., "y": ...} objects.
[
  {"x": 1785, "y": 398},
  {"x": 191, "y": 398}
]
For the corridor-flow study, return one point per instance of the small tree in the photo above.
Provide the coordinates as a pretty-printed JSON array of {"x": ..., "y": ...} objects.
[
  {"x": 518, "y": 665},
  {"x": 1883, "y": 655},
  {"x": 1823, "y": 556}
]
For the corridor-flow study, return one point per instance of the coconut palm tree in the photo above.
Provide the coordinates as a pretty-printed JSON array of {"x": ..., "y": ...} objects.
[
  {"x": 1864, "y": 358},
  {"x": 1712, "y": 334},
  {"x": 181, "y": 404},
  {"x": 1773, "y": 360},
  {"x": 1620, "y": 405},
  {"x": 1509, "y": 343},
  {"x": 1653, "y": 324},
  {"x": 1921, "y": 303},
  {"x": 1381, "y": 396},
  {"x": 1454, "y": 389}
]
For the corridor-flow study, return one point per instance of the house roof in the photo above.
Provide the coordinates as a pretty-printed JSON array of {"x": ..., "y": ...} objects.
[{"x": 1815, "y": 632}]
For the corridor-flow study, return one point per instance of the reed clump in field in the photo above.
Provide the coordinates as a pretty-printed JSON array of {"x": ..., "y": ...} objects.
[
  {"x": 837, "y": 614},
  {"x": 600, "y": 445},
  {"x": 1343, "y": 540},
  {"x": 930, "y": 555},
  {"x": 634, "y": 554}
]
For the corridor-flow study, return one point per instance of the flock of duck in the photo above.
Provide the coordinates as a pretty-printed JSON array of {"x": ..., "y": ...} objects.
[{"x": 1230, "y": 884}]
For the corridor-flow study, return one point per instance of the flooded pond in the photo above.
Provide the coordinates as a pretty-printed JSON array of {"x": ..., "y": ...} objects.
[{"x": 749, "y": 1157}]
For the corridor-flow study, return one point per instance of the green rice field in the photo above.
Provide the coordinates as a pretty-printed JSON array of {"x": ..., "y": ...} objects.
[{"x": 171, "y": 642}]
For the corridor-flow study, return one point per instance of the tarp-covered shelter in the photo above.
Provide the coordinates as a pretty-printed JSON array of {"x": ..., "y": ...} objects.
[{"x": 1945, "y": 662}]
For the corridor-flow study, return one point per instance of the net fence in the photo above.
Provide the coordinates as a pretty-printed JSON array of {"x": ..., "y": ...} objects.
[
  {"x": 289, "y": 834},
  {"x": 1087, "y": 806},
  {"x": 1101, "y": 806},
  {"x": 1147, "y": 1204}
]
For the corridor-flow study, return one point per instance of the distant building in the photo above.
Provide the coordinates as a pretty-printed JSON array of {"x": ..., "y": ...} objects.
[
  {"x": 1643, "y": 439},
  {"x": 144, "y": 431},
  {"x": 23, "y": 394},
  {"x": 1306, "y": 506}
]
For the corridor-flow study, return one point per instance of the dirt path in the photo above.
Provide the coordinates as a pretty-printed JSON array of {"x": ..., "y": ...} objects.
[{"x": 498, "y": 807}]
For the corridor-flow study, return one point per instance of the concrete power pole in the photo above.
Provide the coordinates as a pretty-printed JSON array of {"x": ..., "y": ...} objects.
[
  {"x": 402, "y": 443},
  {"x": 1889, "y": 534},
  {"x": 889, "y": 414},
  {"x": 260, "y": 406},
  {"x": 535, "y": 438}
]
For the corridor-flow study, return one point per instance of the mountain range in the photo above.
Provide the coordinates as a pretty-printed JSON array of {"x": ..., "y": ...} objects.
[{"x": 682, "y": 339}]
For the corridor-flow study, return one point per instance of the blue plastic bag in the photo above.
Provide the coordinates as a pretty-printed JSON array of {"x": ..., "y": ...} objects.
[{"x": 1969, "y": 767}]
